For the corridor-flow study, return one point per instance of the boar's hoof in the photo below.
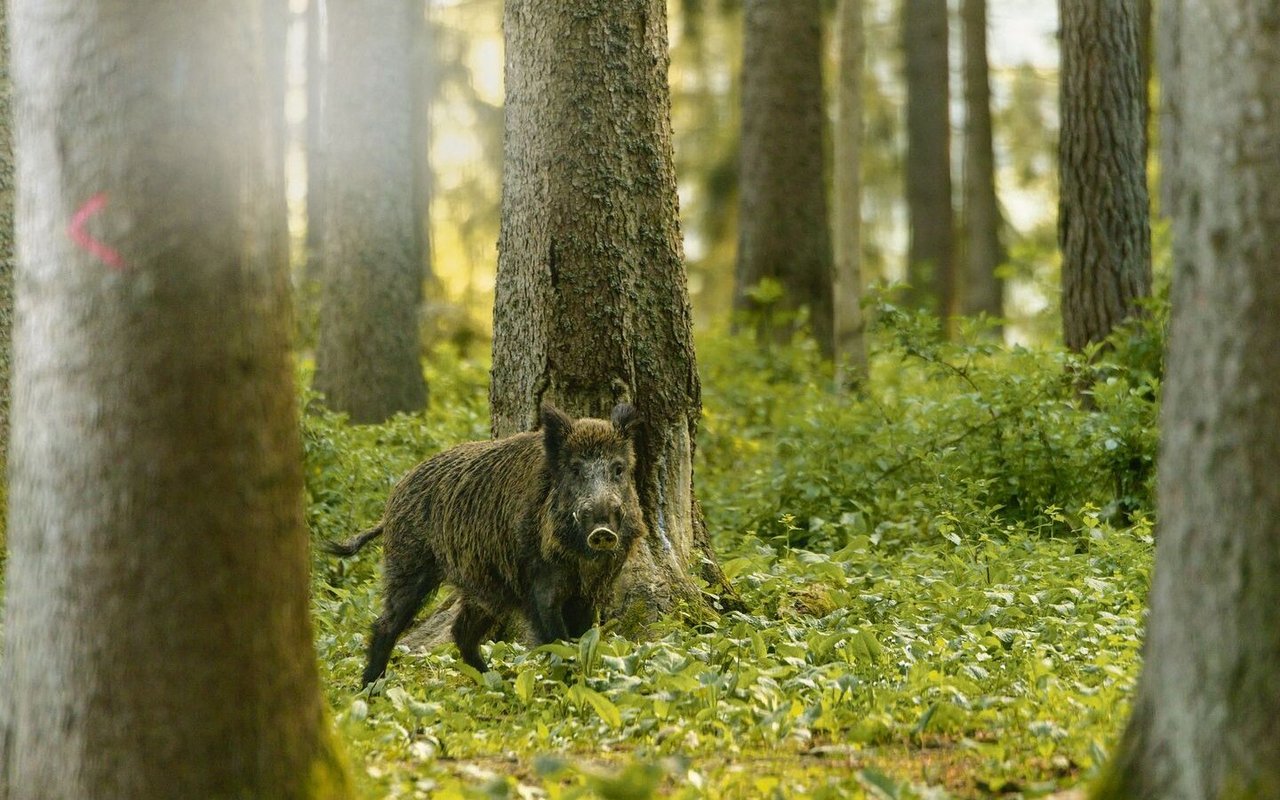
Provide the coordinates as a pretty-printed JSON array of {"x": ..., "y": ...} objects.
[{"x": 602, "y": 539}]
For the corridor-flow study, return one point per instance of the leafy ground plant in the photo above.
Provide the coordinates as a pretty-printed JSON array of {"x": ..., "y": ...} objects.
[{"x": 946, "y": 580}]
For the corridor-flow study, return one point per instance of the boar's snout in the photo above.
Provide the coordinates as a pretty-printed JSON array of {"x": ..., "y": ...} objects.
[{"x": 602, "y": 539}]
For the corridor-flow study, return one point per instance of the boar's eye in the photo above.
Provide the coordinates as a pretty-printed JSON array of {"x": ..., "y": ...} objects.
[
  {"x": 618, "y": 468},
  {"x": 577, "y": 468}
]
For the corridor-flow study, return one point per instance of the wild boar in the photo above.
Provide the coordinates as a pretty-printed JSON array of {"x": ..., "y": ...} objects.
[{"x": 538, "y": 523}]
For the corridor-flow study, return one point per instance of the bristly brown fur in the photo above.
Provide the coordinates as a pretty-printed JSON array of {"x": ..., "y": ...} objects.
[{"x": 505, "y": 522}]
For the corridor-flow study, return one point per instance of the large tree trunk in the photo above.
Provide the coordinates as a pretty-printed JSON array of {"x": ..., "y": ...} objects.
[
  {"x": 368, "y": 357},
  {"x": 982, "y": 292},
  {"x": 783, "y": 230},
  {"x": 931, "y": 250},
  {"x": 847, "y": 317},
  {"x": 157, "y": 629},
  {"x": 1103, "y": 216},
  {"x": 591, "y": 303},
  {"x": 1205, "y": 719}
]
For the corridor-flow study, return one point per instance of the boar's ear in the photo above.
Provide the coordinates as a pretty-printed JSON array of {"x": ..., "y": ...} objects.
[
  {"x": 555, "y": 429},
  {"x": 625, "y": 419}
]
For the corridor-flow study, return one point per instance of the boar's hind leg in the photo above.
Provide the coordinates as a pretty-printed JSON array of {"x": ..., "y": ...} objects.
[
  {"x": 471, "y": 627},
  {"x": 404, "y": 595}
]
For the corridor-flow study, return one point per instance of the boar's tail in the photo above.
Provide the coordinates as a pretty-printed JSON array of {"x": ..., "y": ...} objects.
[{"x": 350, "y": 548}]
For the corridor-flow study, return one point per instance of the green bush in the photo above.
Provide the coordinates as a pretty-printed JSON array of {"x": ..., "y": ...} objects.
[{"x": 949, "y": 438}]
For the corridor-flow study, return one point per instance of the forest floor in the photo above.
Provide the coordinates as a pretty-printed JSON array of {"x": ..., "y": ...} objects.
[{"x": 946, "y": 580}]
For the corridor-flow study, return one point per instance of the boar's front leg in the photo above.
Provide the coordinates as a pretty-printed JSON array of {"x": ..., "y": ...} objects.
[
  {"x": 579, "y": 615},
  {"x": 546, "y": 612}
]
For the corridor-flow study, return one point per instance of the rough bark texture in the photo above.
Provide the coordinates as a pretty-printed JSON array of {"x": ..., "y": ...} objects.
[
  {"x": 369, "y": 349},
  {"x": 931, "y": 249},
  {"x": 783, "y": 230},
  {"x": 1206, "y": 724},
  {"x": 157, "y": 629},
  {"x": 6, "y": 242},
  {"x": 1103, "y": 216},
  {"x": 981, "y": 291},
  {"x": 592, "y": 306},
  {"x": 847, "y": 317}
]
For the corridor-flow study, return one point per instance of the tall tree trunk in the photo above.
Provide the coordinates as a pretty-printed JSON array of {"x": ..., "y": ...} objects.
[
  {"x": 783, "y": 230},
  {"x": 423, "y": 87},
  {"x": 1103, "y": 216},
  {"x": 368, "y": 358},
  {"x": 157, "y": 628},
  {"x": 848, "y": 322},
  {"x": 591, "y": 303},
  {"x": 316, "y": 191},
  {"x": 931, "y": 250},
  {"x": 1146, "y": 56},
  {"x": 6, "y": 244},
  {"x": 982, "y": 292},
  {"x": 1204, "y": 722}
]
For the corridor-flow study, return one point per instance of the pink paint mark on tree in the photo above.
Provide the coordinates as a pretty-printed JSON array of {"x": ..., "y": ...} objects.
[{"x": 104, "y": 253}]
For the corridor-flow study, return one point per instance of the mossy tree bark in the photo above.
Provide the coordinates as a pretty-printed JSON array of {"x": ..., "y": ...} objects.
[
  {"x": 847, "y": 318},
  {"x": 931, "y": 220},
  {"x": 783, "y": 230},
  {"x": 157, "y": 627},
  {"x": 1103, "y": 212},
  {"x": 981, "y": 291},
  {"x": 368, "y": 357},
  {"x": 1204, "y": 724},
  {"x": 592, "y": 306}
]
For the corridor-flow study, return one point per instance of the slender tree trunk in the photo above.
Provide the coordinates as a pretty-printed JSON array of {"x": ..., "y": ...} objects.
[
  {"x": 931, "y": 250},
  {"x": 157, "y": 628},
  {"x": 6, "y": 243},
  {"x": 1103, "y": 215},
  {"x": 1146, "y": 55},
  {"x": 275, "y": 22},
  {"x": 783, "y": 230},
  {"x": 850, "y": 346},
  {"x": 315, "y": 55},
  {"x": 982, "y": 292},
  {"x": 423, "y": 88},
  {"x": 1205, "y": 719},
  {"x": 591, "y": 303},
  {"x": 368, "y": 358}
]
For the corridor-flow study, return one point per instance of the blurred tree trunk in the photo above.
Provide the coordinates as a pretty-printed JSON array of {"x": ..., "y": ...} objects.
[
  {"x": 275, "y": 22},
  {"x": 1103, "y": 216},
  {"x": 931, "y": 250},
  {"x": 591, "y": 304},
  {"x": 157, "y": 626},
  {"x": 850, "y": 346},
  {"x": 1204, "y": 720},
  {"x": 6, "y": 247},
  {"x": 783, "y": 230},
  {"x": 368, "y": 357},
  {"x": 982, "y": 292},
  {"x": 424, "y": 89},
  {"x": 315, "y": 55}
]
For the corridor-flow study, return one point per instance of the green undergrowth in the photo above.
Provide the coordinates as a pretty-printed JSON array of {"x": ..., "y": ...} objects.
[{"x": 946, "y": 579}]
